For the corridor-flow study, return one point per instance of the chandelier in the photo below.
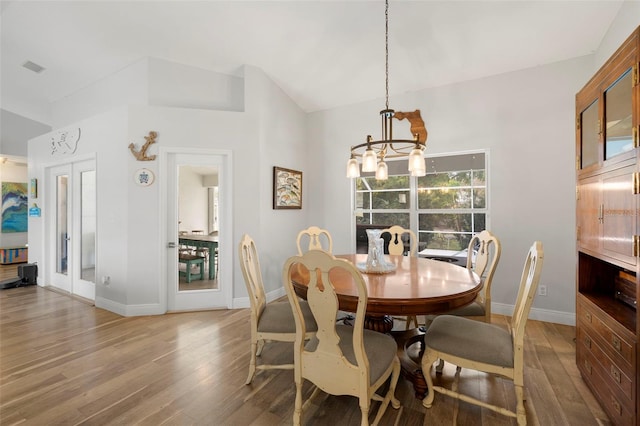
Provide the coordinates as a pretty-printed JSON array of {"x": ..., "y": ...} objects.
[{"x": 374, "y": 152}]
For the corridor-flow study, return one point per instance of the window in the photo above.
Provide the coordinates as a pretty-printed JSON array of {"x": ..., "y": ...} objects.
[{"x": 445, "y": 208}]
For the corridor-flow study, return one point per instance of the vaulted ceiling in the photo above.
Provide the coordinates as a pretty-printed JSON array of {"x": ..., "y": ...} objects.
[{"x": 322, "y": 53}]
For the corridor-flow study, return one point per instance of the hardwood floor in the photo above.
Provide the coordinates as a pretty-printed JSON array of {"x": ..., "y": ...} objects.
[{"x": 64, "y": 362}]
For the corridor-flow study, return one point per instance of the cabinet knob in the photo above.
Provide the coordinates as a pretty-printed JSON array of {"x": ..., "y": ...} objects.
[
  {"x": 615, "y": 341},
  {"x": 615, "y": 374},
  {"x": 587, "y": 316},
  {"x": 616, "y": 405},
  {"x": 587, "y": 342}
]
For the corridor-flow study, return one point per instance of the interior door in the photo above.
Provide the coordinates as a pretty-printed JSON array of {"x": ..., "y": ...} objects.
[
  {"x": 71, "y": 235},
  {"x": 188, "y": 211}
]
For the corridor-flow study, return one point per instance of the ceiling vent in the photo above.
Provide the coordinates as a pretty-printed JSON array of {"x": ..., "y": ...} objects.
[{"x": 33, "y": 67}]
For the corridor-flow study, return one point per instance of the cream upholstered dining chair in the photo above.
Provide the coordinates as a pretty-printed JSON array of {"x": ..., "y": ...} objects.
[
  {"x": 485, "y": 347},
  {"x": 319, "y": 239},
  {"x": 396, "y": 243},
  {"x": 483, "y": 254},
  {"x": 340, "y": 359},
  {"x": 273, "y": 321}
]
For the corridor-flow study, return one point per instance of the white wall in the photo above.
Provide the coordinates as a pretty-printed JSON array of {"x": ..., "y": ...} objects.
[
  {"x": 15, "y": 131},
  {"x": 525, "y": 121},
  {"x": 128, "y": 86},
  {"x": 104, "y": 137},
  {"x": 282, "y": 140},
  {"x": 152, "y": 81},
  {"x": 177, "y": 85},
  {"x": 624, "y": 24}
]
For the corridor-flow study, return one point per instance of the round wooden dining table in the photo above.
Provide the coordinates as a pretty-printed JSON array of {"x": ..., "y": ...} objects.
[{"x": 417, "y": 286}]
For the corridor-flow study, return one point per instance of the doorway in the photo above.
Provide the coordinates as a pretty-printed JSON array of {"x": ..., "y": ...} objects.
[
  {"x": 197, "y": 225},
  {"x": 71, "y": 227}
]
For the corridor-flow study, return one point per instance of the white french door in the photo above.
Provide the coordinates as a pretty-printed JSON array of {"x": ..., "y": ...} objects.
[
  {"x": 214, "y": 293},
  {"x": 71, "y": 227}
]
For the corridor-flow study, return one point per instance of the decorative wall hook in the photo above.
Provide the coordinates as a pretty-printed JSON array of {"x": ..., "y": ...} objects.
[{"x": 142, "y": 154}]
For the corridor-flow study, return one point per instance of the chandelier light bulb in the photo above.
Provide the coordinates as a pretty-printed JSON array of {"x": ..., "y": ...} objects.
[
  {"x": 369, "y": 160},
  {"x": 382, "y": 171},
  {"x": 419, "y": 171},
  {"x": 416, "y": 160},
  {"x": 353, "y": 171}
]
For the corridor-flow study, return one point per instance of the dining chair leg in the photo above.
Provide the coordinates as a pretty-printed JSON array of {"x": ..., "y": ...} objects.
[
  {"x": 252, "y": 362},
  {"x": 520, "y": 412},
  {"x": 364, "y": 413},
  {"x": 297, "y": 409},
  {"x": 428, "y": 400}
]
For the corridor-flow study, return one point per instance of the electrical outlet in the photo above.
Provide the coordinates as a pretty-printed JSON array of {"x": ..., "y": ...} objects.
[{"x": 542, "y": 290}]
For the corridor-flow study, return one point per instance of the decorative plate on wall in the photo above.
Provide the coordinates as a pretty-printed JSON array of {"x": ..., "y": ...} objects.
[{"x": 144, "y": 177}]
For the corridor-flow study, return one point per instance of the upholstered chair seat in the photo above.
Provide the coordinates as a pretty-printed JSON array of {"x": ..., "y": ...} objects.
[{"x": 485, "y": 347}]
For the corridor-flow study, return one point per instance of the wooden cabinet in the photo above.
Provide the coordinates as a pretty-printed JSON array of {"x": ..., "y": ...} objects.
[
  {"x": 607, "y": 221},
  {"x": 608, "y": 233}
]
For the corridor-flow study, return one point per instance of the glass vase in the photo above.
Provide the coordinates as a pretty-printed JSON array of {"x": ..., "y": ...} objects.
[{"x": 376, "y": 261}]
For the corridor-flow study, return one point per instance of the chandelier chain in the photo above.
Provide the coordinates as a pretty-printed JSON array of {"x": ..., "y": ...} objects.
[{"x": 386, "y": 52}]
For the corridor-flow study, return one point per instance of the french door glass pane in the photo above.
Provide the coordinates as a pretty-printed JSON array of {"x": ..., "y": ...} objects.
[
  {"x": 62, "y": 231},
  {"x": 88, "y": 225}
]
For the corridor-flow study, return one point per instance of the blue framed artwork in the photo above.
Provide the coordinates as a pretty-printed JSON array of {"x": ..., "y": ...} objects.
[{"x": 14, "y": 207}]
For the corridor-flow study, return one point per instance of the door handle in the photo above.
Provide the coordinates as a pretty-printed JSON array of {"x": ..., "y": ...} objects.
[{"x": 171, "y": 245}]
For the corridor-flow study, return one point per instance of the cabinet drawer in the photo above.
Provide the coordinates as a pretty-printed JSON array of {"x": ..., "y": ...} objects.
[
  {"x": 620, "y": 348},
  {"x": 620, "y": 410},
  {"x": 618, "y": 380}
]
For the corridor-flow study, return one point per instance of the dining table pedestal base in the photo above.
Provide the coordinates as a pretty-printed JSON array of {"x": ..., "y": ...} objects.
[
  {"x": 379, "y": 323},
  {"x": 410, "y": 350}
]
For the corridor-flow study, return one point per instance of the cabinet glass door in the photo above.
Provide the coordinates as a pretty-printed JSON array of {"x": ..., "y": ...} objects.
[
  {"x": 589, "y": 135},
  {"x": 618, "y": 112}
]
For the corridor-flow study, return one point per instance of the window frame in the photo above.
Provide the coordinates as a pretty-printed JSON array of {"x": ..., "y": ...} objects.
[{"x": 413, "y": 209}]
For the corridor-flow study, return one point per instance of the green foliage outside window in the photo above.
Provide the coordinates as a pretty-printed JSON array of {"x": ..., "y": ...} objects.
[{"x": 450, "y": 204}]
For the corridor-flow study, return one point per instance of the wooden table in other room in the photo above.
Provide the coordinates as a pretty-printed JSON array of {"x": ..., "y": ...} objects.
[{"x": 208, "y": 241}]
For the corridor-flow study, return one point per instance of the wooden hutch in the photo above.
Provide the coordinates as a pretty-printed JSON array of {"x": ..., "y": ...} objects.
[{"x": 608, "y": 233}]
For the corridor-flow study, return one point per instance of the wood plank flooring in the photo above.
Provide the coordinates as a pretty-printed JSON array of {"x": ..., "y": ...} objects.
[{"x": 65, "y": 362}]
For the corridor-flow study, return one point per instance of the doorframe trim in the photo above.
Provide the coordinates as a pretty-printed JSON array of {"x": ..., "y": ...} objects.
[{"x": 225, "y": 218}]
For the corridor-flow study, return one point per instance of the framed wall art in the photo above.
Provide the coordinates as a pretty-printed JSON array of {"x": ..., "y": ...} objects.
[
  {"x": 14, "y": 207},
  {"x": 287, "y": 188}
]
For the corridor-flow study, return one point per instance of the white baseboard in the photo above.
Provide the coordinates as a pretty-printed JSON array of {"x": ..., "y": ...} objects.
[
  {"x": 129, "y": 310},
  {"x": 243, "y": 302},
  {"x": 546, "y": 315}
]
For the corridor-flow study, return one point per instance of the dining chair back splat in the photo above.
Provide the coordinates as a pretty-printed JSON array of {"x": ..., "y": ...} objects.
[
  {"x": 269, "y": 321},
  {"x": 396, "y": 243},
  {"x": 397, "y": 247},
  {"x": 483, "y": 254},
  {"x": 340, "y": 359},
  {"x": 319, "y": 239},
  {"x": 483, "y": 346}
]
